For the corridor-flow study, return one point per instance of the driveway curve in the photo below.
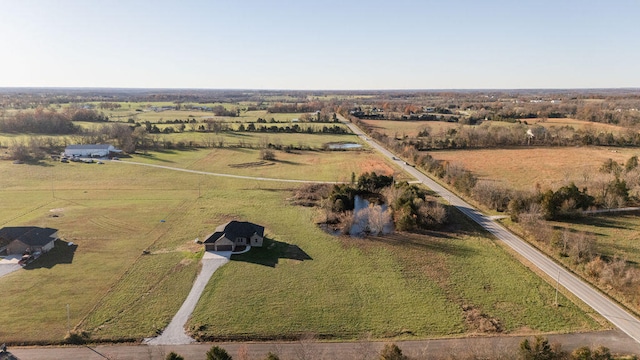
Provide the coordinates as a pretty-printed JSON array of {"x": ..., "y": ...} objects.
[{"x": 174, "y": 333}]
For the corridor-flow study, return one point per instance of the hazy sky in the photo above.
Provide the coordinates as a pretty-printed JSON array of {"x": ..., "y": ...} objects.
[{"x": 279, "y": 44}]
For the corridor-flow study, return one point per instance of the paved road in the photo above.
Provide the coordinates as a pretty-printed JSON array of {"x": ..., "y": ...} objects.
[
  {"x": 482, "y": 347},
  {"x": 174, "y": 333},
  {"x": 618, "y": 316},
  {"x": 225, "y": 175}
]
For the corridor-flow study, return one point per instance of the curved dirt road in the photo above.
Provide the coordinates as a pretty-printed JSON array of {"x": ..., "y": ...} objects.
[{"x": 226, "y": 175}]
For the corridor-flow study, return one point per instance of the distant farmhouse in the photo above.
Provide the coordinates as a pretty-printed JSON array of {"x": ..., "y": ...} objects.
[
  {"x": 17, "y": 240},
  {"x": 234, "y": 235},
  {"x": 93, "y": 150}
]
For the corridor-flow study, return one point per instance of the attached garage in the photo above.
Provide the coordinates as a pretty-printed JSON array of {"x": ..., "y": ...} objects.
[
  {"x": 20, "y": 239},
  {"x": 234, "y": 234}
]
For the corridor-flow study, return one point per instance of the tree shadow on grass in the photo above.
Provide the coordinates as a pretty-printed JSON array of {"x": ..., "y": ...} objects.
[
  {"x": 288, "y": 162},
  {"x": 36, "y": 163},
  {"x": 603, "y": 221},
  {"x": 439, "y": 244},
  {"x": 271, "y": 252},
  {"x": 62, "y": 253}
]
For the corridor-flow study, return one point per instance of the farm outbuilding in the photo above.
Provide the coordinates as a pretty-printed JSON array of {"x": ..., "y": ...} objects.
[
  {"x": 16, "y": 240},
  {"x": 91, "y": 150},
  {"x": 229, "y": 236}
]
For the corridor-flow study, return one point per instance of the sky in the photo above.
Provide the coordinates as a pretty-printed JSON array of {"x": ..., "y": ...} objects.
[{"x": 320, "y": 45}]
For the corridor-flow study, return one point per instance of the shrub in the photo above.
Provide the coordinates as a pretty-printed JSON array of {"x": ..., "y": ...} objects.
[
  {"x": 173, "y": 356},
  {"x": 272, "y": 356},
  {"x": 540, "y": 349},
  {"x": 76, "y": 337},
  {"x": 267, "y": 154},
  {"x": 391, "y": 352},
  {"x": 218, "y": 353}
]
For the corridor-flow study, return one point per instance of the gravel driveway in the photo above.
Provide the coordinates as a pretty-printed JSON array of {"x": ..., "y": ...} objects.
[
  {"x": 9, "y": 264},
  {"x": 174, "y": 334}
]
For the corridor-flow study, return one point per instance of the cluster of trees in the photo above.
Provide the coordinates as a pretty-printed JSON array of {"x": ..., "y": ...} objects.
[
  {"x": 408, "y": 206},
  {"x": 49, "y": 121},
  {"x": 220, "y": 110},
  {"x": 40, "y": 121},
  {"x": 107, "y": 105}
]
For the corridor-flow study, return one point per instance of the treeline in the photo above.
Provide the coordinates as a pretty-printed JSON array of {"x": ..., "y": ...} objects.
[
  {"x": 40, "y": 121},
  {"x": 49, "y": 121},
  {"x": 488, "y": 135},
  {"x": 296, "y": 107},
  {"x": 295, "y": 128}
]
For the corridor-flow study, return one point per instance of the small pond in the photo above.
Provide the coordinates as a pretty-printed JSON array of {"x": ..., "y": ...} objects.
[
  {"x": 343, "y": 146},
  {"x": 360, "y": 224}
]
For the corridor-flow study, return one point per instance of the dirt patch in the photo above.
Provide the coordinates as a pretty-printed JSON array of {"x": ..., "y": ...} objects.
[
  {"x": 480, "y": 322},
  {"x": 251, "y": 164}
]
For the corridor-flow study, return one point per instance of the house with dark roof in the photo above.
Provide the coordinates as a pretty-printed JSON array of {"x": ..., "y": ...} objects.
[
  {"x": 235, "y": 235},
  {"x": 17, "y": 240},
  {"x": 91, "y": 150}
]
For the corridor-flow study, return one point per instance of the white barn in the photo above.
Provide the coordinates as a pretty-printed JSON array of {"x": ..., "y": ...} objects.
[{"x": 92, "y": 150}]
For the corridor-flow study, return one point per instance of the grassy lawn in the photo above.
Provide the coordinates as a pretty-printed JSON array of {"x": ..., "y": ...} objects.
[
  {"x": 401, "y": 286},
  {"x": 113, "y": 212}
]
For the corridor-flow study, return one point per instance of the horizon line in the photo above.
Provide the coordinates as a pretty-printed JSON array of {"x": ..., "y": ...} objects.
[{"x": 309, "y": 90}]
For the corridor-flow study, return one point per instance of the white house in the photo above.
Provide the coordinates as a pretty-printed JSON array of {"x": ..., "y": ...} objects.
[{"x": 92, "y": 150}]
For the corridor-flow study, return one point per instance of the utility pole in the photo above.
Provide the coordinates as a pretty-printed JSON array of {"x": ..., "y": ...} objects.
[
  {"x": 68, "y": 320},
  {"x": 557, "y": 285}
]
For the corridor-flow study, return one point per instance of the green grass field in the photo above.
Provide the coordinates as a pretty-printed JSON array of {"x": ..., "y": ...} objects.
[
  {"x": 617, "y": 234},
  {"x": 401, "y": 286},
  {"x": 407, "y": 286}
]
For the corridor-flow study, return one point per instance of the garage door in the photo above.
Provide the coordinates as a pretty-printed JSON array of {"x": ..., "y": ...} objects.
[{"x": 224, "y": 248}]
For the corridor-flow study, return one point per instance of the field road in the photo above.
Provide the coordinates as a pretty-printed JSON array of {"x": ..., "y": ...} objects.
[
  {"x": 606, "y": 307},
  {"x": 225, "y": 175}
]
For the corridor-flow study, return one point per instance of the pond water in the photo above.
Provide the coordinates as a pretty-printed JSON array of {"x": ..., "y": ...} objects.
[
  {"x": 362, "y": 224},
  {"x": 346, "y": 146}
]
